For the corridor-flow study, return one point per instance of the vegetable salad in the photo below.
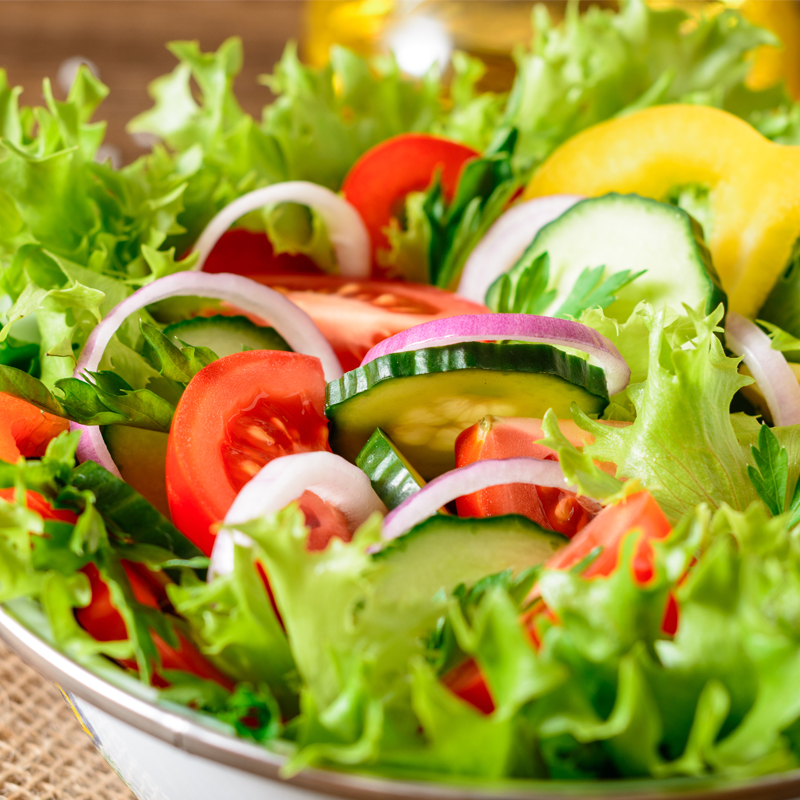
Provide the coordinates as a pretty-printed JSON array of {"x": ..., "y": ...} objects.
[{"x": 416, "y": 430}]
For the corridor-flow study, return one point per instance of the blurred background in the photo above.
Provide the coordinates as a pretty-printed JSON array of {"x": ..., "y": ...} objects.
[{"x": 124, "y": 41}]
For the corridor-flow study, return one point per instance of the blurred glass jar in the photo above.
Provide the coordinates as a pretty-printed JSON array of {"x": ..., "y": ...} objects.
[{"x": 423, "y": 32}]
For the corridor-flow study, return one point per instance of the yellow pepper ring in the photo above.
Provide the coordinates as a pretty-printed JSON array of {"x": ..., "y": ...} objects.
[{"x": 754, "y": 184}]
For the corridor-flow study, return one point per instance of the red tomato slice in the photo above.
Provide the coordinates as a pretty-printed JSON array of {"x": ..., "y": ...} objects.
[
  {"x": 379, "y": 181},
  {"x": 509, "y": 437},
  {"x": 639, "y": 512},
  {"x": 102, "y": 620},
  {"x": 26, "y": 430},
  {"x": 244, "y": 252},
  {"x": 607, "y": 530},
  {"x": 355, "y": 315},
  {"x": 236, "y": 415}
]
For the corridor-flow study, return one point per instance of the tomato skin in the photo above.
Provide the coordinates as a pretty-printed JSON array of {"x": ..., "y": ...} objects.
[
  {"x": 380, "y": 180},
  {"x": 509, "y": 437},
  {"x": 102, "y": 621},
  {"x": 637, "y": 512},
  {"x": 355, "y": 315},
  {"x": 244, "y": 252},
  {"x": 26, "y": 430},
  {"x": 203, "y": 455}
]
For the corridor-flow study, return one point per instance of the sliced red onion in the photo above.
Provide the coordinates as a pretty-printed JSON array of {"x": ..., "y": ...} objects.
[
  {"x": 346, "y": 230},
  {"x": 293, "y": 324},
  {"x": 512, "y": 327},
  {"x": 506, "y": 241},
  {"x": 283, "y": 480},
  {"x": 92, "y": 447},
  {"x": 769, "y": 368},
  {"x": 466, "y": 480}
]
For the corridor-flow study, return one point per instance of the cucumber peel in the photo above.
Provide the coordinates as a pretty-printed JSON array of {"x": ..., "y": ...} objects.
[
  {"x": 392, "y": 476},
  {"x": 423, "y": 399}
]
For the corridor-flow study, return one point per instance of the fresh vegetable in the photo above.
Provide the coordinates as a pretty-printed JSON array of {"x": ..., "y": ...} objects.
[
  {"x": 506, "y": 241},
  {"x": 442, "y": 552},
  {"x": 379, "y": 181},
  {"x": 245, "y": 252},
  {"x": 769, "y": 367},
  {"x": 510, "y": 437},
  {"x": 237, "y": 414},
  {"x": 424, "y": 398},
  {"x": 355, "y": 315},
  {"x": 103, "y": 622},
  {"x": 334, "y": 496},
  {"x": 754, "y": 221},
  {"x": 465, "y": 480},
  {"x": 25, "y": 430},
  {"x": 225, "y": 335},
  {"x": 513, "y": 327},
  {"x": 640, "y": 249},
  {"x": 661, "y": 642},
  {"x": 392, "y": 476},
  {"x": 344, "y": 226}
]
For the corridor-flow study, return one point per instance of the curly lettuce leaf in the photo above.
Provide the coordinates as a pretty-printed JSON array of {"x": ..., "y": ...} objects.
[
  {"x": 601, "y": 64},
  {"x": 233, "y": 622},
  {"x": 682, "y": 444}
]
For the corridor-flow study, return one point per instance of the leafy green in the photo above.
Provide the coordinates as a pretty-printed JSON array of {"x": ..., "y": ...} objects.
[
  {"x": 771, "y": 472},
  {"x": 41, "y": 558},
  {"x": 601, "y": 64},
  {"x": 682, "y": 444},
  {"x": 233, "y": 623},
  {"x": 438, "y": 235},
  {"x": 523, "y": 288},
  {"x": 783, "y": 341}
]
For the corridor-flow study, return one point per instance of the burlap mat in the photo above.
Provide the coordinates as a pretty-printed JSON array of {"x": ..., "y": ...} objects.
[{"x": 44, "y": 754}]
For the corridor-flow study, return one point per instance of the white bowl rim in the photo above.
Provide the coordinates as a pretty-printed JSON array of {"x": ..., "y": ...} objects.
[{"x": 193, "y": 737}]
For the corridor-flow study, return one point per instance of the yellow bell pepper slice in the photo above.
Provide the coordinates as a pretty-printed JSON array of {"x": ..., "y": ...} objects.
[{"x": 754, "y": 184}]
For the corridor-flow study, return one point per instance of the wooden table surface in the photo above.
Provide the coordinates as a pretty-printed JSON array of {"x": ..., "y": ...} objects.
[{"x": 125, "y": 39}]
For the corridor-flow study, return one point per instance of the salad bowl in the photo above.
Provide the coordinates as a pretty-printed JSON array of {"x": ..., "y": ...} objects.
[
  {"x": 405, "y": 444},
  {"x": 171, "y": 753}
]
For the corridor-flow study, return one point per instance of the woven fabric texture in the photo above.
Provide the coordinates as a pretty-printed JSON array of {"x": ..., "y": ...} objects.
[{"x": 44, "y": 753}]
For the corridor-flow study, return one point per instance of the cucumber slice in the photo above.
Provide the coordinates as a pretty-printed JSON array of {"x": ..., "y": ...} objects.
[
  {"x": 424, "y": 398},
  {"x": 141, "y": 457},
  {"x": 392, "y": 476},
  {"x": 444, "y": 551},
  {"x": 628, "y": 232},
  {"x": 225, "y": 335}
]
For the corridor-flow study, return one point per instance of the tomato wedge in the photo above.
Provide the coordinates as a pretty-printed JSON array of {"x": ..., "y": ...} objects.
[
  {"x": 638, "y": 512},
  {"x": 236, "y": 415},
  {"x": 509, "y": 437},
  {"x": 355, "y": 315},
  {"x": 102, "y": 621},
  {"x": 379, "y": 181},
  {"x": 26, "y": 430},
  {"x": 246, "y": 252}
]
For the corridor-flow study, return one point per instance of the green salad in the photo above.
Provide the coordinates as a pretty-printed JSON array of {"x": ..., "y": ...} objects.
[{"x": 417, "y": 430}]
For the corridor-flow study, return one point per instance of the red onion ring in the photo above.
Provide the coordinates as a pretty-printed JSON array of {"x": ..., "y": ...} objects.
[
  {"x": 346, "y": 230},
  {"x": 465, "y": 480},
  {"x": 506, "y": 241},
  {"x": 293, "y": 324},
  {"x": 768, "y": 367},
  {"x": 332, "y": 478},
  {"x": 514, "y": 327}
]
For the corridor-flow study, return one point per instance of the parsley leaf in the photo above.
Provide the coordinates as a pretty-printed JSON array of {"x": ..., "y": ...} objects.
[
  {"x": 591, "y": 290},
  {"x": 770, "y": 475},
  {"x": 523, "y": 289}
]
